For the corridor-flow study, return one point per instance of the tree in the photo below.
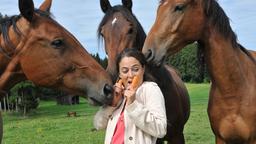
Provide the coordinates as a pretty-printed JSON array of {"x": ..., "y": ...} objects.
[
  {"x": 102, "y": 62},
  {"x": 29, "y": 99},
  {"x": 25, "y": 96}
]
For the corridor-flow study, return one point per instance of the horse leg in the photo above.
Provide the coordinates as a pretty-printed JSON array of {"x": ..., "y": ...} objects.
[
  {"x": 177, "y": 139},
  {"x": 160, "y": 141}
]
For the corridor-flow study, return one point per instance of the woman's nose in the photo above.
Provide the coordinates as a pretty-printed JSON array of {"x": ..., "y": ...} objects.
[{"x": 130, "y": 73}]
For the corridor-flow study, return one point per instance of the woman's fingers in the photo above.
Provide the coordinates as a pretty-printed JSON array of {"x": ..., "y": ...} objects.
[
  {"x": 130, "y": 96},
  {"x": 118, "y": 90}
]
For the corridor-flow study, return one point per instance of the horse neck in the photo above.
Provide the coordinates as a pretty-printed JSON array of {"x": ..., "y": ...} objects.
[
  {"x": 11, "y": 72},
  {"x": 226, "y": 64}
]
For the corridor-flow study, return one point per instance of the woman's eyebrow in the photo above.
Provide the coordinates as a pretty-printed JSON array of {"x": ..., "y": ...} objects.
[
  {"x": 124, "y": 68},
  {"x": 135, "y": 65}
]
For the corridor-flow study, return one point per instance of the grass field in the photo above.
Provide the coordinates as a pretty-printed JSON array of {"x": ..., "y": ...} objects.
[{"x": 49, "y": 124}]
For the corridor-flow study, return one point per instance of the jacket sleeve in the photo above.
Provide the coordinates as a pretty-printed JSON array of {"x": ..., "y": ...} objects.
[{"x": 150, "y": 116}]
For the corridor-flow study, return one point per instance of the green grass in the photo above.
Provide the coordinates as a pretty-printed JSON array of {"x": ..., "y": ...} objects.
[
  {"x": 197, "y": 129},
  {"x": 49, "y": 124}
]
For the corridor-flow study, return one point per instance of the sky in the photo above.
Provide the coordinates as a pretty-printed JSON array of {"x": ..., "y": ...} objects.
[
  {"x": 242, "y": 14},
  {"x": 82, "y": 17}
]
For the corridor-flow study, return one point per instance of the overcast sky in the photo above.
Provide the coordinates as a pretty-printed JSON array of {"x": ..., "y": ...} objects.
[{"x": 81, "y": 17}]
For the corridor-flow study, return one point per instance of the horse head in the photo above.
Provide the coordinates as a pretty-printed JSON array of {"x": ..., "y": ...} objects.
[
  {"x": 177, "y": 24},
  {"x": 120, "y": 29},
  {"x": 36, "y": 47}
]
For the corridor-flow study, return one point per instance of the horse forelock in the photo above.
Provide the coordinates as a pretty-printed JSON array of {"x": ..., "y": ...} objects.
[{"x": 44, "y": 13}]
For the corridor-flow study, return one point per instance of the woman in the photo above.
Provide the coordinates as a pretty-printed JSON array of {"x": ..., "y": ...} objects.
[{"x": 138, "y": 113}]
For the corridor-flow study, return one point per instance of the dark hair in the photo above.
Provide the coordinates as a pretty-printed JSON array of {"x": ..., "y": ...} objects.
[
  {"x": 138, "y": 55},
  {"x": 131, "y": 52}
]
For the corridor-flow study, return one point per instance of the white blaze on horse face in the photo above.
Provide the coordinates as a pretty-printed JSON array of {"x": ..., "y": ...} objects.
[
  {"x": 114, "y": 21},
  {"x": 165, "y": 3}
]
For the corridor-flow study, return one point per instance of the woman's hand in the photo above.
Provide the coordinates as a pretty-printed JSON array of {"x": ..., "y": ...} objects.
[
  {"x": 129, "y": 94},
  {"x": 118, "y": 92},
  {"x": 130, "y": 91}
]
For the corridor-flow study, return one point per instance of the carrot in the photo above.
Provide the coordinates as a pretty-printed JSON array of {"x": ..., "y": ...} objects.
[{"x": 135, "y": 82}]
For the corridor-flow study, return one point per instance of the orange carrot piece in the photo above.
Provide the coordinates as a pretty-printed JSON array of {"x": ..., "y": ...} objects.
[{"x": 135, "y": 82}]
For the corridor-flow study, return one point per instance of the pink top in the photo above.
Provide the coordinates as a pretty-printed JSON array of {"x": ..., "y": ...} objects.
[{"x": 118, "y": 137}]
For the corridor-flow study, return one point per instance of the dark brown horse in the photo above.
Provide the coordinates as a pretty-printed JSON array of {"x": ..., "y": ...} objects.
[
  {"x": 232, "y": 101},
  {"x": 35, "y": 47},
  {"x": 120, "y": 29}
]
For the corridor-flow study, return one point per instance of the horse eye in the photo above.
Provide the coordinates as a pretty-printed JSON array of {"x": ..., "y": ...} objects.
[
  {"x": 130, "y": 31},
  {"x": 57, "y": 43},
  {"x": 179, "y": 8},
  {"x": 101, "y": 32}
]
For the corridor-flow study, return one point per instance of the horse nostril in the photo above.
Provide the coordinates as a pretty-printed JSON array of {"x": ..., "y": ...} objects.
[
  {"x": 108, "y": 90},
  {"x": 149, "y": 55}
]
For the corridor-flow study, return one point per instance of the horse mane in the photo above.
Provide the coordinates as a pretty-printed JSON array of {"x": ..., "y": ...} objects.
[
  {"x": 141, "y": 35},
  {"x": 161, "y": 76},
  {"x": 218, "y": 18},
  {"x": 7, "y": 21}
]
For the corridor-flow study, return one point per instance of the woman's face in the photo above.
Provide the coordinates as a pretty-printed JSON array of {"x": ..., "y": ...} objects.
[{"x": 128, "y": 68}]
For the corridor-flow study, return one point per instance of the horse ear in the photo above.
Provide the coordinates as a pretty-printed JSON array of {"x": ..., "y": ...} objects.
[
  {"x": 46, "y": 6},
  {"x": 27, "y": 9},
  {"x": 105, "y": 5},
  {"x": 128, "y": 4}
]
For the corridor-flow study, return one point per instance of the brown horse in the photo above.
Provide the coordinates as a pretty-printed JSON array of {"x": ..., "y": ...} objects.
[
  {"x": 253, "y": 53},
  {"x": 120, "y": 29},
  {"x": 231, "y": 108},
  {"x": 35, "y": 47}
]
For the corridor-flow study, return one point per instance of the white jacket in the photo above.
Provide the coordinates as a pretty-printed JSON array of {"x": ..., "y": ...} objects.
[{"x": 145, "y": 119}]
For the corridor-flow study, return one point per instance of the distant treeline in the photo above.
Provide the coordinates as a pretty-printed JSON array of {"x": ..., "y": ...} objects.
[{"x": 102, "y": 62}]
